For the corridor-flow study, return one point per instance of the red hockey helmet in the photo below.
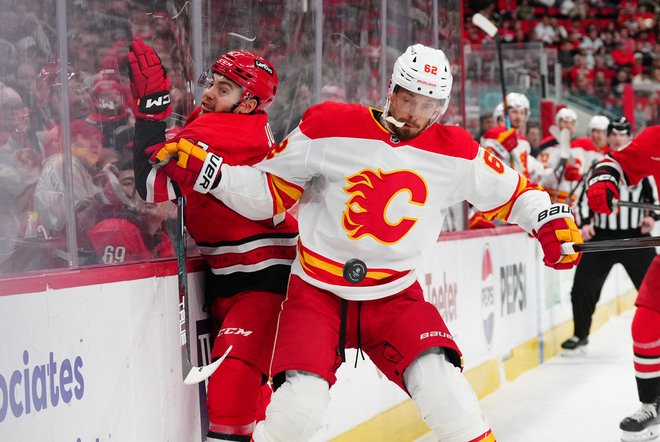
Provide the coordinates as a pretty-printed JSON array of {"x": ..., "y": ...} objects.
[{"x": 255, "y": 75}]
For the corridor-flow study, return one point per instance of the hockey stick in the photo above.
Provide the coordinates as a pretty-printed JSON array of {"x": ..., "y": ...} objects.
[
  {"x": 563, "y": 138},
  {"x": 634, "y": 205},
  {"x": 191, "y": 374},
  {"x": 483, "y": 23},
  {"x": 569, "y": 248}
]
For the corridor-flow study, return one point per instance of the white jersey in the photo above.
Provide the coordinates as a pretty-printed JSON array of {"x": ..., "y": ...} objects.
[
  {"x": 364, "y": 194},
  {"x": 520, "y": 158},
  {"x": 550, "y": 157}
]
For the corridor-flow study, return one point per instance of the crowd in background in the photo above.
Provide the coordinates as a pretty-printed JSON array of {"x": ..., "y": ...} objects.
[
  {"x": 34, "y": 171},
  {"x": 601, "y": 46}
]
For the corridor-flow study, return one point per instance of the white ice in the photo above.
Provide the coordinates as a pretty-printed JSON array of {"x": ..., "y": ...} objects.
[{"x": 571, "y": 399}]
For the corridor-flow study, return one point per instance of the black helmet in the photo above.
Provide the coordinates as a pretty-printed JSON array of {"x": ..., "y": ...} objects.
[{"x": 620, "y": 125}]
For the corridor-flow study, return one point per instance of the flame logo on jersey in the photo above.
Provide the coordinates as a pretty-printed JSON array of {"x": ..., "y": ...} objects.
[
  {"x": 277, "y": 149},
  {"x": 371, "y": 195}
]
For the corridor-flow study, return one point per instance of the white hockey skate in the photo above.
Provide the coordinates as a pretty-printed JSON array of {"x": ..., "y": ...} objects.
[
  {"x": 643, "y": 425},
  {"x": 574, "y": 346}
]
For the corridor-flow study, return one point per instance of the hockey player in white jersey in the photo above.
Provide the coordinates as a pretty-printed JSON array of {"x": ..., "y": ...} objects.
[
  {"x": 374, "y": 187},
  {"x": 553, "y": 152},
  {"x": 511, "y": 146}
]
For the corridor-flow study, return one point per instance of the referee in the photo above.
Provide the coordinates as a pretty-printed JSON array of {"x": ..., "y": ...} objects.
[{"x": 627, "y": 222}]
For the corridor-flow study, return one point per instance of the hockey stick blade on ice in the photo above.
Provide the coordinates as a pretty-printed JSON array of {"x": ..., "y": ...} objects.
[
  {"x": 569, "y": 248},
  {"x": 191, "y": 374}
]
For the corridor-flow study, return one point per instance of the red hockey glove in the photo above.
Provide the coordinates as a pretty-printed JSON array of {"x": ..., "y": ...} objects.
[
  {"x": 603, "y": 189},
  {"x": 554, "y": 226},
  {"x": 195, "y": 167},
  {"x": 150, "y": 86},
  {"x": 508, "y": 139},
  {"x": 572, "y": 173}
]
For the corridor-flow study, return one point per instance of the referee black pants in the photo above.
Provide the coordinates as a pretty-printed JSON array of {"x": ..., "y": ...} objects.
[{"x": 592, "y": 271}]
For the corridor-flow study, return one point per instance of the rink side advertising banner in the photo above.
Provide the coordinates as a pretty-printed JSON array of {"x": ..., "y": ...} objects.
[
  {"x": 486, "y": 290},
  {"x": 101, "y": 363},
  {"x": 494, "y": 292},
  {"x": 96, "y": 363}
]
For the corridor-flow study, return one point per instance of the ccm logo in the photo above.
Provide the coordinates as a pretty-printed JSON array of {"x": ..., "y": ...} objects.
[
  {"x": 555, "y": 210},
  {"x": 234, "y": 331},
  {"x": 163, "y": 100},
  {"x": 210, "y": 171}
]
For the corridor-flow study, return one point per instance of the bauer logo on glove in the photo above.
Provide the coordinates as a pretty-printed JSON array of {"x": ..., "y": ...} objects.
[
  {"x": 556, "y": 209},
  {"x": 194, "y": 167},
  {"x": 555, "y": 226}
]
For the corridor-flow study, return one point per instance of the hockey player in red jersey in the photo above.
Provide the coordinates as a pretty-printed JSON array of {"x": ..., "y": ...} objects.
[
  {"x": 374, "y": 188},
  {"x": 627, "y": 167},
  {"x": 249, "y": 260}
]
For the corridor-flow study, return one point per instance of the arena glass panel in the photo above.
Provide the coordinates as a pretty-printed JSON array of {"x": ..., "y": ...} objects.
[
  {"x": 67, "y": 133},
  {"x": 522, "y": 73}
]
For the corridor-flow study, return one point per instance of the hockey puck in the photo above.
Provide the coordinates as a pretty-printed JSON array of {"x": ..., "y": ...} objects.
[{"x": 354, "y": 271}]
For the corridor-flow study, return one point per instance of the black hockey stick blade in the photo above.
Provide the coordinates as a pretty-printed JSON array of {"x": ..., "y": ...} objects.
[
  {"x": 635, "y": 205},
  {"x": 643, "y": 242}
]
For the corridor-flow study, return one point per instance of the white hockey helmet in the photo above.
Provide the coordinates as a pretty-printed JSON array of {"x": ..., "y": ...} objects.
[
  {"x": 565, "y": 114},
  {"x": 599, "y": 122},
  {"x": 426, "y": 71},
  {"x": 517, "y": 100},
  {"x": 499, "y": 111}
]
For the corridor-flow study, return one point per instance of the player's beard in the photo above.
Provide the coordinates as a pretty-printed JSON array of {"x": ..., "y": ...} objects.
[{"x": 410, "y": 130}]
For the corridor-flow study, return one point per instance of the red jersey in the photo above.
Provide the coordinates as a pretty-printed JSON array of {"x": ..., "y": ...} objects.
[
  {"x": 641, "y": 158},
  {"x": 231, "y": 244},
  {"x": 118, "y": 240}
]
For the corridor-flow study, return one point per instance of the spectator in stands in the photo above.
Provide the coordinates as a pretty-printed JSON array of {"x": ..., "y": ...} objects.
[
  {"x": 485, "y": 123},
  {"x": 534, "y": 136},
  {"x": 545, "y": 32},
  {"x": 19, "y": 170},
  {"x": 601, "y": 86},
  {"x": 525, "y": 11},
  {"x": 590, "y": 45},
  {"x": 621, "y": 78},
  {"x": 126, "y": 233},
  {"x": 86, "y": 146},
  {"x": 566, "y": 55}
]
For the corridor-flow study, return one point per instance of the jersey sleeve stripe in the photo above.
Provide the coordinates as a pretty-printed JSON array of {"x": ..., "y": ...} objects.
[
  {"x": 502, "y": 212},
  {"x": 159, "y": 187},
  {"x": 285, "y": 194}
]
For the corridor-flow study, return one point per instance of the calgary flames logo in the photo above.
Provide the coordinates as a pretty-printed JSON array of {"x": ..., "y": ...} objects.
[{"x": 371, "y": 195}]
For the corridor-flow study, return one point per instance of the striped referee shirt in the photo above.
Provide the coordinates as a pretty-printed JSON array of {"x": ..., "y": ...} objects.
[{"x": 626, "y": 217}]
